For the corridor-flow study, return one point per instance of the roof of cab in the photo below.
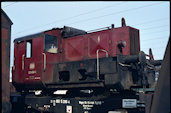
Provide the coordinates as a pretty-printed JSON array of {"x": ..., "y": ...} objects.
[{"x": 35, "y": 35}]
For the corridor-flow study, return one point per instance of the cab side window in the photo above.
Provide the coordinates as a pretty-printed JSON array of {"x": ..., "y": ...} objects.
[
  {"x": 51, "y": 44},
  {"x": 29, "y": 49}
]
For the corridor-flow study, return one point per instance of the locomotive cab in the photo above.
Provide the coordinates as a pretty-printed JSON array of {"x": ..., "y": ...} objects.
[{"x": 31, "y": 54}]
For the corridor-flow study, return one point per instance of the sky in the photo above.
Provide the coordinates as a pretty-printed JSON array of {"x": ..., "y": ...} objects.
[{"x": 152, "y": 18}]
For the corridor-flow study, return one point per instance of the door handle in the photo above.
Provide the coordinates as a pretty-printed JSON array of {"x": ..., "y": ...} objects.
[{"x": 44, "y": 60}]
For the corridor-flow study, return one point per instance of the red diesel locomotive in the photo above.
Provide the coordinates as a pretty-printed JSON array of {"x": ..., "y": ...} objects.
[{"x": 64, "y": 58}]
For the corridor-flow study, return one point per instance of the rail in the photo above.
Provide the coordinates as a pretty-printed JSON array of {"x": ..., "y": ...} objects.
[
  {"x": 44, "y": 60},
  {"x": 23, "y": 62},
  {"x": 104, "y": 28},
  {"x": 97, "y": 52}
]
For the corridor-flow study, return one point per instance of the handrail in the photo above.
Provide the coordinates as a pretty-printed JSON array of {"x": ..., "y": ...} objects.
[
  {"x": 97, "y": 52},
  {"x": 44, "y": 59},
  {"x": 23, "y": 62},
  {"x": 104, "y": 28}
]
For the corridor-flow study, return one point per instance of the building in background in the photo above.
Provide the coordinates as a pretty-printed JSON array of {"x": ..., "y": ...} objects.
[{"x": 5, "y": 58}]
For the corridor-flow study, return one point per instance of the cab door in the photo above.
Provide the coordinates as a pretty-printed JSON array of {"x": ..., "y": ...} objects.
[
  {"x": 33, "y": 60},
  {"x": 18, "y": 69}
]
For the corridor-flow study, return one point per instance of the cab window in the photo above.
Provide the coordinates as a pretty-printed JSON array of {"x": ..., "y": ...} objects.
[
  {"x": 29, "y": 49},
  {"x": 51, "y": 44}
]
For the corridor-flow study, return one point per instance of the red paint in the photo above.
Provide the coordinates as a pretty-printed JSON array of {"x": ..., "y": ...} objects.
[{"x": 73, "y": 49}]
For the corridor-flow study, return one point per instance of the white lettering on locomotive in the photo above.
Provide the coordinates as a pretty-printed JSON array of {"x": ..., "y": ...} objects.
[
  {"x": 88, "y": 105},
  {"x": 32, "y": 72},
  {"x": 59, "y": 101}
]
